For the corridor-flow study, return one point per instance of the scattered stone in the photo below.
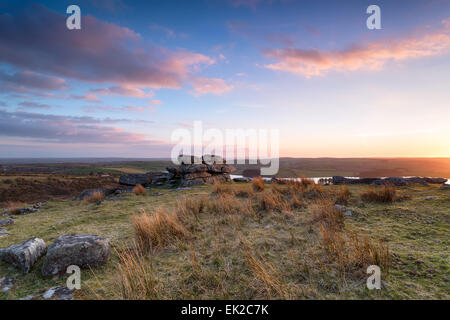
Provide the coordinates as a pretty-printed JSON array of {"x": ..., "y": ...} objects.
[
  {"x": 58, "y": 293},
  {"x": 34, "y": 208},
  {"x": 343, "y": 209},
  {"x": 82, "y": 250},
  {"x": 431, "y": 198},
  {"x": 244, "y": 179},
  {"x": 24, "y": 255},
  {"x": 445, "y": 187},
  {"x": 89, "y": 192},
  {"x": 6, "y": 284},
  {"x": 5, "y": 222},
  {"x": 4, "y": 233},
  {"x": 30, "y": 297}
]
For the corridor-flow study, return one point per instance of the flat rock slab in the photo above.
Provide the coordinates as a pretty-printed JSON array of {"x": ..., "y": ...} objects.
[
  {"x": 24, "y": 255},
  {"x": 82, "y": 250},
  {"x": 58, "y": 293},
  {"x": 431, "y": 198}
]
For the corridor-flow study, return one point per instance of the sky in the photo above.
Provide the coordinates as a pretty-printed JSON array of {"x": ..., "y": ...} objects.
[{"x": 139, "y": 70}]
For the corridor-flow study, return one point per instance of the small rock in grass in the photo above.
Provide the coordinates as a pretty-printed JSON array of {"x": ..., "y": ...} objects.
[
  {"x": 430, "y": 198},
  {"x": 58, "y": 293},
  {"x": 6, "y": 284},
  {"x": 4, "y": 233},
  {"x": 5, "y": 222}
]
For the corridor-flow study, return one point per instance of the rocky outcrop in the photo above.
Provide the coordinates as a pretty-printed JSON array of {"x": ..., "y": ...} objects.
[
  {"x": 195, "y": 174},
  {"x": 343, "y": 180},
  {"x": 397, "y": 181},
  {"x": 77, "y": 249},
  {"x": 435, "y": 180},
  {"x": 24, "y": 255}
]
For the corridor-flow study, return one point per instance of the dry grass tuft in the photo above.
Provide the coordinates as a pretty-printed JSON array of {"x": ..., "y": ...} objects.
[
  {"x": 230, "y": 205},
  {"x": 258, "y": 184},
  {"x": 95, "y": 197},
  {"x": 139, "y": 190},
  {"x": 272, "y": 283},
  {"x": 385, "y": 194},
  {"x": 343, "y": 195},
  {"x": 136, "y": 275},
  {"x": 327, "y": 215},
  {"x": 244, "y": 191},
  {"x": 192, "y": 207},
  {"x": 220, "y": 188},
  {"x": 158, "y": 229}
]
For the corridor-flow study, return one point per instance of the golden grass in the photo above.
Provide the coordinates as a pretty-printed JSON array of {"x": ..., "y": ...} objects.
[
  {"x": 244, "y": 191},
  {"x": 136, "y": 274},
  {"x": 265, "y": 273},
  {"x": 258, "y": 183},
  {"x": 158, "y": 229},
  {"x": 351, "y": 252},
  {"x": 139, "y": 190},
  {"x": 220, "y": 188},
  {"x": 95, "y": 197},
  {"x": 385, "y": 194},
  {"x": 343, "y": 195}
]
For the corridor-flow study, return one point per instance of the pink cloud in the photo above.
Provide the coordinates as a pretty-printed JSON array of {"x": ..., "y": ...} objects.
[
  {"x": 372, "y": 56},
  {"x": 128, "y": 91},
  {"x": 210, "y": 85},
  {"x": 101, "y": 52}
]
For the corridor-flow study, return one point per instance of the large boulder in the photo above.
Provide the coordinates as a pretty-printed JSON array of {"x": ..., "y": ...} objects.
[
  {"x": 133, "y": 179},
  {"x": 193, "y": 168},
  {"x": 396, "y": 181},
  {"x": 82, "y": 250},
  {"x": 244, "y": 179},
  {"x": 445, "y": 187},
  {"x": 24, "y": 255}
]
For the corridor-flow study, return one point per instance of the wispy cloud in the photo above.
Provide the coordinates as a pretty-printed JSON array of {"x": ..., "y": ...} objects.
[
  {"x": 30, "y": 104},
  {"x": 210, "y": 85},
  {"x": 373, "y": 56},
  {"x": 67, "y": 129},
  {"x": 94, "y": 56}
]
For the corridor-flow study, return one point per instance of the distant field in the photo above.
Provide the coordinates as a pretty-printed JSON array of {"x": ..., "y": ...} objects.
[{"x": 289, "y": 167}]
